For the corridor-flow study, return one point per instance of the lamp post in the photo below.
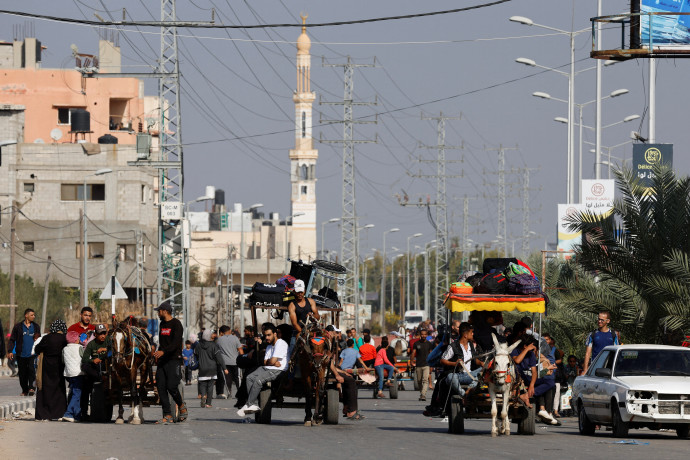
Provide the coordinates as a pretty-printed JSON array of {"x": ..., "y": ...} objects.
[
  {"x": 364, "y": 287},
  {"x": 358, "y": 294},
  {"x": 608, "y": 150},
  {"x": 323, "y": 225},
  {"x": 383, "y": 278},
  {"x": 571, "y": 87},
  {"x": 242, "y": 256},
  {"x": 616, "y": 93},
  {"x": 407, "y": 287},
  {"x": 84, "y": 249},
  {"x": 393, "y": 281},
  {"x": 427, "y": 277}
]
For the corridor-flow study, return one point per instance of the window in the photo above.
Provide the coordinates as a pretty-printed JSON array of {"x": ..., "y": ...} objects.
[
  {"x": 126, "y": 252},
  {"x": 75, "y": 192},
  {"x": 304, "y": 172},
  {"x": 304, "y": 124},
  {"x": 29, "y": 187},
  {"x": 28, "y": 246},
  {"x": 119, "y": 115},
  {"x": 96, "y": 250},
  {"x": 143, "y": 194},
  {"x": 600, "y": 361},
  {"x": 304, "y": 190},
  {"x": 64, "y": 117}
]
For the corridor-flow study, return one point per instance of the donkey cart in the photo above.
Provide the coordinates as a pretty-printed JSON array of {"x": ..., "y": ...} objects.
[{"x": 479, "y": 404}]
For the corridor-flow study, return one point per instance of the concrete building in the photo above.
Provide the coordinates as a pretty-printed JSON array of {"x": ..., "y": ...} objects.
[{"x": 43, "y": 170}]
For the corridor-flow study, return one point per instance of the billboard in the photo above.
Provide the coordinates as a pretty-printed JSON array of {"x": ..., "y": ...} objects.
[
  {"x": 645, "y": 156},
  {"x": 567, "y": 239},
  {"x": 596, "y": 195},
  {"x": 665, "y": 31}
]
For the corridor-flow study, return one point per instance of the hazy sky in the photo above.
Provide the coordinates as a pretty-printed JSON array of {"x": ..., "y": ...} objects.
[{"x": 466, "y": 61}]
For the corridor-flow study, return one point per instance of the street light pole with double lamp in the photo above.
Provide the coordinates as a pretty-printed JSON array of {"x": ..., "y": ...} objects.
[{"x": 382, "y": 297}]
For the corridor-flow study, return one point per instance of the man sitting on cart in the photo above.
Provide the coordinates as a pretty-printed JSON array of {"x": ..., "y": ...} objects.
[
  {"x": 300, "y": 310},
  {"x": 462, "y": 350}
]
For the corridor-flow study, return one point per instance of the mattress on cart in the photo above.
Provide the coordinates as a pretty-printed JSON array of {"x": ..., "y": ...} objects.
[{"x": 495, "y": 302}]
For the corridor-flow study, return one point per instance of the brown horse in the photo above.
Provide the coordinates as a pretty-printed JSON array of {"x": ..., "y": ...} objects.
[
  {"x": 131, "y": 354},
  {"x": 314, "y": 354}
]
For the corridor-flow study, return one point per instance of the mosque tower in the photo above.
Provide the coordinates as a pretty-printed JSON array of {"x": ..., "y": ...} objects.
[{"x": 303, "y": 158}]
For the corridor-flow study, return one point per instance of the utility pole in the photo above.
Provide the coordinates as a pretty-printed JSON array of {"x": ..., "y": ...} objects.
[
  {"x": 502, "y": 230},
  {"x": 140, "y": 270},
  {"x": 441, "y": 221},
  {"x": 349, "y": 234},
  {"x": 45, "y": 296}
]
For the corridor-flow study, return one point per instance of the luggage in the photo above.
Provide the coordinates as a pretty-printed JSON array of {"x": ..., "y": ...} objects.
[
  {"x": 267, "y": 288},
  {"x": 492, "y": 283},
  {"x": 524, "y": 285},
  {"x": 515, "y": 269},
  {"x": 474, "y": 280},
  {"x": 271, "y": 299},
  {"x": 497, "y": 263},
  {"x": 287, "y": 281},
  {"x": 461, "y": 288}
]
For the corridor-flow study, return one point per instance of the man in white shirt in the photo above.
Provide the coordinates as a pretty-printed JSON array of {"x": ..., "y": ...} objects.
[
  {"x": 462, "y": 350},
  {"x": 275, "y": 362}
]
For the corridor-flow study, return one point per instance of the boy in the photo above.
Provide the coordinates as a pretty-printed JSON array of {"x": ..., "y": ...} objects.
[{"x": 187, "y": 354}]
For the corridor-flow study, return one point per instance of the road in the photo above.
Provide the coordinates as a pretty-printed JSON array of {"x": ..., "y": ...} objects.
[{"x": 392, "y": 429}]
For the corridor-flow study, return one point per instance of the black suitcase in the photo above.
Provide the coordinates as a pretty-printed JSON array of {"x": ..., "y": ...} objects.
[
  {"x": 268, "y": 288},
  {"x": 497, "y": 263},
  {"x": 266, "y": 299}
]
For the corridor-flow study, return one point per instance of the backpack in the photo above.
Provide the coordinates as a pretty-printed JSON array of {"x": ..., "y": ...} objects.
[
  {"x": 493, "y": 283},
  {"x": 515, "y": 269},
  {"x": 474, "y": 280},
  {"x": 497, "y": 263},
  {"x": 524, "y": 285},
  {"x": 193, "y": 362}
]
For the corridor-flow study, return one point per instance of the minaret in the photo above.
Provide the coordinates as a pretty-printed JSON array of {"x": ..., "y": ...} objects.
[{"x": 303, "y": 157}]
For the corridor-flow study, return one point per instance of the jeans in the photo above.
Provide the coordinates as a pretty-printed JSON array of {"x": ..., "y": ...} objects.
[
  {"x": 27, "y": 373},
  {"x": 256, "y": 380},
  {"x": 74, "y": 405},
  {"x": 168, "y": 377},
  {"x": 463, "y": 378},
  {"x": 379, "y": 372},
  {"x": 232, "y": 377}
]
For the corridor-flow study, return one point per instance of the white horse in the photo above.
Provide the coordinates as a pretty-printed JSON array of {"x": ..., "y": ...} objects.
[{"x": 500, "y": 383}]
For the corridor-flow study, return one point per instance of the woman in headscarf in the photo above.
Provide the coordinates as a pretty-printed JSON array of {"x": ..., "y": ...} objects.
[{"x": 51, "y": 399}]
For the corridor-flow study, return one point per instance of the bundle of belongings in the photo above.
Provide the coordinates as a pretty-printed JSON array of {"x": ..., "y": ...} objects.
[{"x": 499, "y": 276}]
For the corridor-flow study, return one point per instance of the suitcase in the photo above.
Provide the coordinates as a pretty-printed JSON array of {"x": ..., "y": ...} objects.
[
  {"x": 268, "y": 288},
  {"x": 497, "y": 263},
  {"x": 272, "y": 299}
]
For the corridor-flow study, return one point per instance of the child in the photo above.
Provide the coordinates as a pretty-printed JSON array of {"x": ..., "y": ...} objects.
[
  {"x": 209, "y": 357},
  {"x": 186, "y": 356},
  {"x": 72, "y": 355}
]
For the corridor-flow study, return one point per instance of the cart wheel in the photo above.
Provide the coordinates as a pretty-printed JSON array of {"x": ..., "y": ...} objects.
[
  {"x": 329, "y": 266},
  {"x": 263, "y": 416},
  {"x": 528, "y": 425},
  {"x": 393, "y": 391},
  {"x": 456, "y": 416},
  {"x": 332, "y": 407}
]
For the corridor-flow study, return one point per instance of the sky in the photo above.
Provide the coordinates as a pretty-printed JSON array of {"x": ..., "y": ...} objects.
[{"x": 237, "y": 92}]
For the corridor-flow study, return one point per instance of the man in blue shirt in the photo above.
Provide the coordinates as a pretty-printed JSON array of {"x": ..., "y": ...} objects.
[
  {"x": 22, "y": 340},
  {"x": 602, "y": 337},
  {"x": 349, "y": 356}
]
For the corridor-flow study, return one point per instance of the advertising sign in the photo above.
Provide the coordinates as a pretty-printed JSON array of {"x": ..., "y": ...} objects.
[
  {"x": 567, "y": 239},
  {"x": 666, "y": 30},
  {"x": 645, "y": 156},
  {"x": 597, "y": 195}
]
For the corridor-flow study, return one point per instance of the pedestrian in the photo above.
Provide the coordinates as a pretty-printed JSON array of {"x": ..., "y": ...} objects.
[
  {"x": 72, "y": 355},
  {"x": 83, "y": 326},
  {"x": 93, "y": 364},
  {"x": 209, "y": 356},
  {"x": 22, "y": 340},
  {"x": 169, "y": 363},
  {"x": 220, "y": 372},
  {"x": 420, "y": 351},
  {"x": 11, "y": 362},
  {"x": 555, "y": 358},
  {"x": 382, "y": 363},
  {"x": 51, "y": 400},
  {"x": 600, "y": 338},
  {"x": 187, "y": 354},
  {"x": 230, "y": 348}
]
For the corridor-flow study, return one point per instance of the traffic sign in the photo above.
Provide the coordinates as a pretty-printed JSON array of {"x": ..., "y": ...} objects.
[{"x": 108, "y": 290}]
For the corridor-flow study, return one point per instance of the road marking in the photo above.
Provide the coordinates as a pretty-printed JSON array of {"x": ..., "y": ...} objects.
[
  {"x": 195, "y": 440},
  {"x": 211, "y": 450}
]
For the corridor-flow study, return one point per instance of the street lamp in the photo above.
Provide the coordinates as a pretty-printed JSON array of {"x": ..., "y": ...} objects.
[
  {"x": 287, "y": 244},
  {"x": 393, "y": 281},
  {"x": 84, "y": 249},
  {"x": 364, "y": 287},
  {"x": 571, "y": 88},
  {"x": 383, "y": 278},
  {"x": 242, "y": 256},
  {"x": 323, "y": 225},
  {"x": 427, "y": 277},
  {"x": 407, "y": 288}
]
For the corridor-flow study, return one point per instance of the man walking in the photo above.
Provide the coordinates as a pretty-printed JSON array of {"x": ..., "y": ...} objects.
[
  {"x": 420, "y": 352},
  {"x": 230, "y": 347},
  {"x": 169, "y": 362},
  {"x": 22, "y": 340},
  {"x": 600, "y": 338}
]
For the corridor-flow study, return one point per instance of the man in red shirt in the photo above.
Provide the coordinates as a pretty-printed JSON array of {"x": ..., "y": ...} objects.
[{"x": 83, "y": 326}]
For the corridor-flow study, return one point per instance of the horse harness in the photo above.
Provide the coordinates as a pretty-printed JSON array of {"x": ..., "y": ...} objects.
[{"x": 133, "y": 336}]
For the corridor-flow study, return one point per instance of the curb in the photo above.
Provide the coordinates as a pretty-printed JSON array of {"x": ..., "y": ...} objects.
[
  {"x": 7, "y": 409},
  {"x": 5, "y": 373}
]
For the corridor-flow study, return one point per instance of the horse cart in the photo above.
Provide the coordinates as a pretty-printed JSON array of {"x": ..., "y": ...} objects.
[
  {"x": 309, "y": 384},
  {"x": 478, "y": 404}
]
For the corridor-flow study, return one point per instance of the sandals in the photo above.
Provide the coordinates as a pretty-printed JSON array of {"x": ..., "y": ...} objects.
[
  {"x": 356, "y": 416},
  {"x": 183, "y": 412},
  {"x": 166, "y": 420},
  {"x": 380, "y": 395}
]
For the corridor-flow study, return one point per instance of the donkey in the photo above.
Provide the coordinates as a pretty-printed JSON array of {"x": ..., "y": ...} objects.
[
  {"x": 315, "y": 352},
  {"x": 502, "y": 375}
]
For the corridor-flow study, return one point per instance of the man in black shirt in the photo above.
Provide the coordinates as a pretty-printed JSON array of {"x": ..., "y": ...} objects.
[
  {"x": 169, "y": 356},
  {"x": 420, "y": 351}
]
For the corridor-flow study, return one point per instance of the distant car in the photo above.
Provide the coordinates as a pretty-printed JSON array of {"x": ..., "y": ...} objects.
[{"x": 635, "y": 386}]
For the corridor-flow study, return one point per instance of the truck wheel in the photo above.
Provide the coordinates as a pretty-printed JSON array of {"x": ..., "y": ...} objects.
[
  {"x": 585, "y": 426},
  {"x": 682, "y": 431},
  {"x": 265, "y": 406},
  {"x": 527, "y": 425},
  {"x": 393, "y": 391},
  {"x": 620, "y": 428},
  {"x": 332, "y": 407},
  {"x": 456, "y": 416}
]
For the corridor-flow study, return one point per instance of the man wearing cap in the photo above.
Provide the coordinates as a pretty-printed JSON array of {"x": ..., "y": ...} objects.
[
  {"x": 92, "y": 363},
  {"x": 301, "y": 308},
  {"x": 169, "y": 363}
]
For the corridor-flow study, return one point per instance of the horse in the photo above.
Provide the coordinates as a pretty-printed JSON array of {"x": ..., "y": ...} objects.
[
  {"x": 400, "y": 343},
  {"x": 502, "y": 373},
  {"x": 314, "y": 355},
  {"x": 131, "y": 353}
]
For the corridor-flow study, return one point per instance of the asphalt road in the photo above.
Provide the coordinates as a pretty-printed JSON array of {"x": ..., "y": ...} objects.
[{"x": 392, "y": 429}]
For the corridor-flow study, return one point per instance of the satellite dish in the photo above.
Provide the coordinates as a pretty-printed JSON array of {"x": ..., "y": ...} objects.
[
  {"x": 56, "y": 134},
  {"x": 38, "y": 140},
  {"x": 74, "y": 49}
]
